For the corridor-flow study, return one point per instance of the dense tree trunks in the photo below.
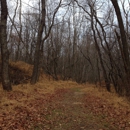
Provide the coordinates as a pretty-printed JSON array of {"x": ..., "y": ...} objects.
[
  {"x": 81, "y": 43},
  {"x": 35, "y": 74},
  {"x": 4, "y": 49}
]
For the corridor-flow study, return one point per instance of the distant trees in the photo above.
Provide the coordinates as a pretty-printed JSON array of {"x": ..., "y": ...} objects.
[
  {"x": 106, "y": 45},
  {"x": 73, "y": 40}
]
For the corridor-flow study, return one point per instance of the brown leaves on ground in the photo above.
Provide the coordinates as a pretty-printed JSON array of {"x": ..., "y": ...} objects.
[
  {"x": 66, "y": 109},
  {"x": 59, "y": 105},
  {"x": 29, "y": 115},
  {"x": 118, "y": 117}
]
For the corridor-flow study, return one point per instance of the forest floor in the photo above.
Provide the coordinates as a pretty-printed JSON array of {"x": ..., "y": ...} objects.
[{"x": 62, "y": 105}]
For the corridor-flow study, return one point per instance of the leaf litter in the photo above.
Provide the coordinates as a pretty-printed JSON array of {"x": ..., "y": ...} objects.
[{"x": 61, "y": 105}]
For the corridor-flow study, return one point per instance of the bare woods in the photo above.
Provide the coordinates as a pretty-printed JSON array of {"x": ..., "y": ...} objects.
[{"x": 84, "y": 41}]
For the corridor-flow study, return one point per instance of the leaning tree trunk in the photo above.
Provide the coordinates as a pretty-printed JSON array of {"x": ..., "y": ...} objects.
[
  {"x": 107, "y": 82},
  {"x": 123, "y": 35},
  {"x": 125, "y": 49},
  {"x": 4, "y": 49}
]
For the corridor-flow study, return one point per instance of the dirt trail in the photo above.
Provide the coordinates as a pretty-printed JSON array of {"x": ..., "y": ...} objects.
[{"x": 69, "y": 112}]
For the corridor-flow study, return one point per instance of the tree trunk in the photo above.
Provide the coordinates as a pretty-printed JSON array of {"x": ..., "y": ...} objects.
[
  {"x": 123, "y": 36},
  {"x": 35, "y": 74},
  {"x": 107, "y": 82},
  {"x": 4, "y": 49},
  {"x": 125, "y": 49}
]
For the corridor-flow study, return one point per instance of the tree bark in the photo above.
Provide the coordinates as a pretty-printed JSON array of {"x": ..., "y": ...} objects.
[
  {"x": 35, "y": 74},
  {"x": 4, "y": 49},
  {"x": 107, "y": 82},
  {"x": 125, "y": 49},
  {"x": 123, "y": 37}
]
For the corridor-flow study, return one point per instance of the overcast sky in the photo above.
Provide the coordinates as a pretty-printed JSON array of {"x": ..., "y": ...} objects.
[{"x": 33, "y": 5}]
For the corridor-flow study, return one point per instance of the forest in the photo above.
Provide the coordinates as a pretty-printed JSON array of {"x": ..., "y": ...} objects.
[
  {"x": 64, "y": 65},
  {"x": 85, "y": 41}
]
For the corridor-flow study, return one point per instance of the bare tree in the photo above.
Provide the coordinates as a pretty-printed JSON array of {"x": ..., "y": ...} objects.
[
  {"x": 124, "y": 44},
  {"x": 34, "y": 78},
  {"x": 4, "y": 50},
  {"x": 40, "y": 41}
]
